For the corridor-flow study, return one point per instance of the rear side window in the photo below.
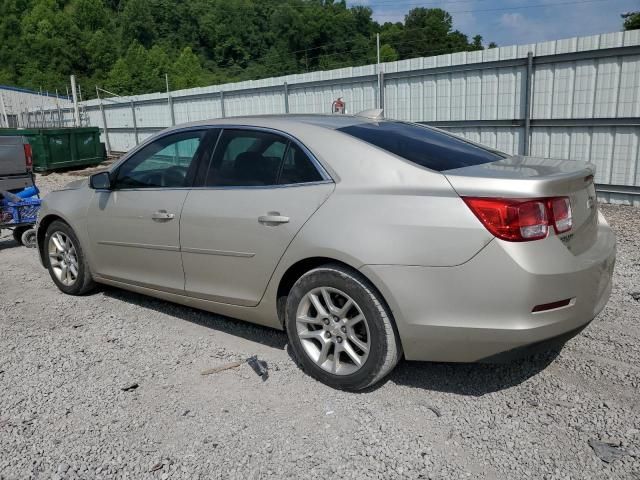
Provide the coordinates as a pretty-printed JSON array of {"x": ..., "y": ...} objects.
[
  {"x": 422, "y": 145},
  {"x": 257, "y": 158}
]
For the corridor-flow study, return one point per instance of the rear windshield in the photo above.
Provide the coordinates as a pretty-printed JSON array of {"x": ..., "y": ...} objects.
[{"x": 422, "y": 145}]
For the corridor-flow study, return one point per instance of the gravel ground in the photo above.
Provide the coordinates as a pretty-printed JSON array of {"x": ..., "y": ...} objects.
[{"x": 66, "y": 411}]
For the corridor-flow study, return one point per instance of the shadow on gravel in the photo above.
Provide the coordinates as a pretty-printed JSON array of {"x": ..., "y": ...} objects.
[
  {"x": 8, "y": 242},
  {"x": 249, "y": 331},
  {"x": 473, "y": 379}
]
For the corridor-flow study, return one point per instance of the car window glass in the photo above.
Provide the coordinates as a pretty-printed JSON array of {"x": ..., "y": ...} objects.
[
  {"x": 424, "y": 146},
  {"x": 246, "y": 158},
  {"x": 163, "y": 163},
  {"x": 297, "y": 167}
]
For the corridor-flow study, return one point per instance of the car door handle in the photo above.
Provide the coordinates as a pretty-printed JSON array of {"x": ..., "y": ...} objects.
[
  {"x": 162, "y": 215},
  {"x": 273, "y": 218}
]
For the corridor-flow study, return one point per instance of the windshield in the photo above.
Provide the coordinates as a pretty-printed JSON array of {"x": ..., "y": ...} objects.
[{"x": 422, "y": 145}]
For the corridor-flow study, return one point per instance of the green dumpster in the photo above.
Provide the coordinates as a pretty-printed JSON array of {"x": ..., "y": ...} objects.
[{"x": 56, "y": 148}]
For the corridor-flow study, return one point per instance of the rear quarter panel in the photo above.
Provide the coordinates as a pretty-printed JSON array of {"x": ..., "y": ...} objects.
[{"x": 392, "y": 227}]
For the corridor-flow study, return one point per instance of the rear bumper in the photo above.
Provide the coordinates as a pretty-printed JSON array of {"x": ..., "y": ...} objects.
[
  {"x": 475, "y": 311},
  {"x": 15, "y": 182}
]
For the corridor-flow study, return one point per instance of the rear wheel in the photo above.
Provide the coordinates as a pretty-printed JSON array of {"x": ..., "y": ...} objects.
[
  {"x": 17, "y": 233},
  {"x": 65, "y": 260},
  {"x": 339, "y": 329},
  {"x": 28, "y": 238}
]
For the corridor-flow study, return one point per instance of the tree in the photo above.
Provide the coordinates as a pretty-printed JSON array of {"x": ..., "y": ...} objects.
[
  {"x": 127, "y": 46},
  {"x": 388, "y": 53},
  {"x": 631, "y": 20},
  {"x": 187, "y": 72}
]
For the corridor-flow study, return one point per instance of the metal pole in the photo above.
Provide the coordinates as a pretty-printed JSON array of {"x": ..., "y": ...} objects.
[
  {"x": 286, "y": 98},
  {"x": 528, "y": 100},
  {"x": 135, "y": 122},
  {"x": 381, "y": 90},
  {"x": 3, "y": 110},
  {"x": 76, "y": 112},
  {"x": 170, "y": 101},
  {"x": 60, "y": 124},
  {"x": 380, "y": 79},
  {"x": 104, "y": 124},
  {"x": 222, "y": 112}
]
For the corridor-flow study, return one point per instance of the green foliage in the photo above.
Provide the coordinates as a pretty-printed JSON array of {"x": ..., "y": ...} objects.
[
  {"x": 127, "y": 46},
  {"x": 631, "y": 20}
]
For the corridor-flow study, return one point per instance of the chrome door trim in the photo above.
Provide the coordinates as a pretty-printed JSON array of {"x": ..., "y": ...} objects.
[
  {"x": 222, "y": 253},
  {"x": 169, "y": 248}
]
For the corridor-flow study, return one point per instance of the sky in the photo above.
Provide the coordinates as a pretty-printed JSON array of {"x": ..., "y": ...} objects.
[{"x": 511, "y": 22}]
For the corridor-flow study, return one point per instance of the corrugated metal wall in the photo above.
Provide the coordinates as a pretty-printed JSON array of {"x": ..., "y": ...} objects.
[
  {"x": 18, "y": 102},
  {"x": 576, "y": 98}
]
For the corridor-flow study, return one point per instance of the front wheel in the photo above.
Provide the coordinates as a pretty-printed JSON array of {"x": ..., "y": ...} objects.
[
  {"x": 65, "y": 260},
  {"x": 339, "y": 328}
]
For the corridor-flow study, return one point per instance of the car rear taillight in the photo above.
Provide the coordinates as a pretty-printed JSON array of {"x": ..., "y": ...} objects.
[
  {"x": 28, "y": 155},
  {"x": 521, "y": 220},
  {"x": 561, "y": 211}
]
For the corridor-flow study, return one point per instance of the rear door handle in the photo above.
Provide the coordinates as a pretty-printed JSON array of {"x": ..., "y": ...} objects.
[
  {"x": 162, "y": 215},
  {"x": 273, "y": 218}
]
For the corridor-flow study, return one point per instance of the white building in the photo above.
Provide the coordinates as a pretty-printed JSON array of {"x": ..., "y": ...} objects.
[{"x": 16, "y": 102}]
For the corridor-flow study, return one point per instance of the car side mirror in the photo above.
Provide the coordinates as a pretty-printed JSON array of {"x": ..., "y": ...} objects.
[{"x": 100, "y": 181}]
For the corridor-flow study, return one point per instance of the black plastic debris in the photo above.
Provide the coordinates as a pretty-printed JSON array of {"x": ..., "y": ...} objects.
[{"x": 259, "y": 366}]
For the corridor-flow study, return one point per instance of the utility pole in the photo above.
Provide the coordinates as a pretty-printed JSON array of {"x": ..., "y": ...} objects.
[
  {"x": 76, "y": 112},
  {"x": 378, "y": 49}
]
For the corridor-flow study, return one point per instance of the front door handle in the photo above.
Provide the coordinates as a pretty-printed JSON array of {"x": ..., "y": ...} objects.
[
  {"x": 162, "y": 215},
  {"x": 273, "y": 218}
]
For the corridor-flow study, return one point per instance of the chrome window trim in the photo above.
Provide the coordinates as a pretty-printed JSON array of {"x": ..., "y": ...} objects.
[
  {"x": 326, "y": 177},
  {"x": 153, "y": 138}
]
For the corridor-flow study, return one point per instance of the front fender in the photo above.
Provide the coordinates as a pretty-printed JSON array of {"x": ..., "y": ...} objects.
[{"x": 71, "y": 207}]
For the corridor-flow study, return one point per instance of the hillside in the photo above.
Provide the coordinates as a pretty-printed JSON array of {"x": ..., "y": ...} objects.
[{"x": 127, "y": 46}]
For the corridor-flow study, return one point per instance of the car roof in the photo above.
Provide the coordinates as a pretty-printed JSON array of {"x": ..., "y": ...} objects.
[{"x": 285, "y": 121}]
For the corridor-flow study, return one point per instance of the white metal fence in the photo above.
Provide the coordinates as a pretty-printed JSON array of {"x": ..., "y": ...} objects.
[{"x": 576, "y": 98}]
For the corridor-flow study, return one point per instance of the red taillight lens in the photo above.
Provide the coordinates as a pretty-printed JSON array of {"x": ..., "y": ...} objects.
[
  {"x": 521, "y": 220},
  {"x": 28, "y": 155},
  {"x": 514, "y": 220},
  {"x": 560, "y": 209}
]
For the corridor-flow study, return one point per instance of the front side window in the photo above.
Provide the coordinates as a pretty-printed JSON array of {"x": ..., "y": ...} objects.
[
  {"x": 424, "y": 146},
  {"x": 164, "y": 163},
  {"x": 255, "y": 158}
]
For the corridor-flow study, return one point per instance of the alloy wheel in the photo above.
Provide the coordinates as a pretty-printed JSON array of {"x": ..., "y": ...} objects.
[
  {"x": 333, "y": 330},
  {"x": 63, "y": 258}
]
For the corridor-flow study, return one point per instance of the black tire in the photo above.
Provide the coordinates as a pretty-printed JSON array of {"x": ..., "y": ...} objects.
[
  {"x": 28, "y": 238},
  {"x": 17, "y": 233},
  {"x": 83, "y": 282},
  {"x": 385, "y": 349}
]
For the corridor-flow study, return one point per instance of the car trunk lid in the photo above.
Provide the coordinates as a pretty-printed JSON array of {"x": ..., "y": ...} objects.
[{"x": 531, "y": 177}]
